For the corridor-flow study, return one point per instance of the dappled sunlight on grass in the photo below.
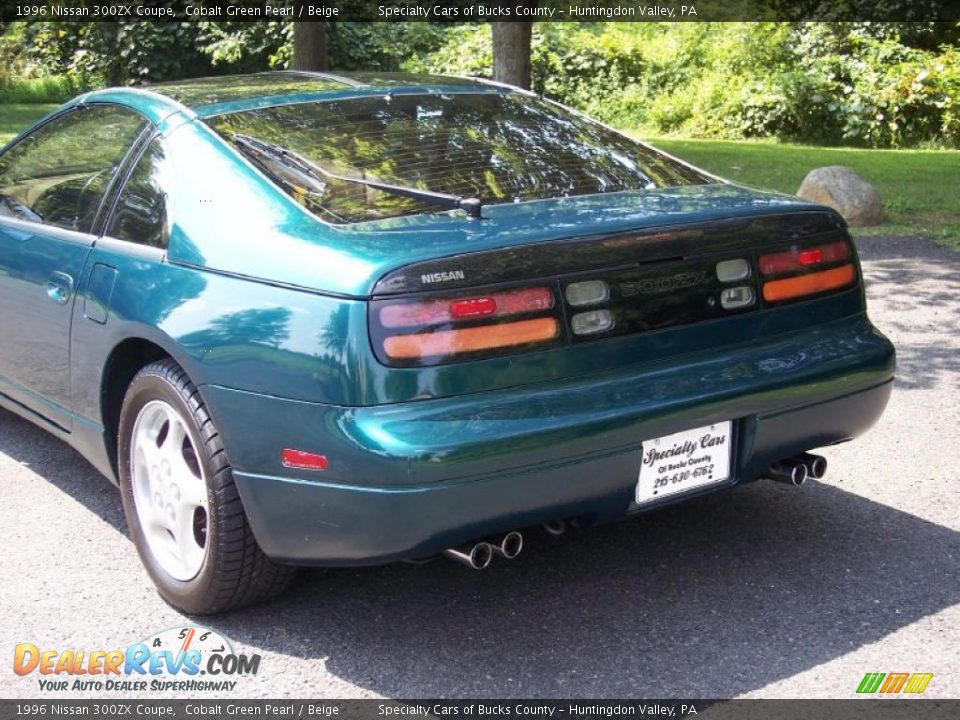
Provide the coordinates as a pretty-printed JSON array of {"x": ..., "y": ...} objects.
[{"x": 15, "y": 118}]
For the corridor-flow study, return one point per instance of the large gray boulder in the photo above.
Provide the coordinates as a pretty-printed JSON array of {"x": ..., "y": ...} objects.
[{"x": 842, "y": 189}]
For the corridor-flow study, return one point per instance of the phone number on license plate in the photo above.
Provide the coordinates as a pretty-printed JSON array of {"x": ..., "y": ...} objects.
[{"x": 684, "y": 461}]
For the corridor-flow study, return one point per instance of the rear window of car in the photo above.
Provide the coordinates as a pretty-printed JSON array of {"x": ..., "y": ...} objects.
[{"x": 499, "y": 148}]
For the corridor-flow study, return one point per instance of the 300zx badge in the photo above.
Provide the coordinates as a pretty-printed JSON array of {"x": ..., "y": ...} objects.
[{"x": 663, "y": 284}]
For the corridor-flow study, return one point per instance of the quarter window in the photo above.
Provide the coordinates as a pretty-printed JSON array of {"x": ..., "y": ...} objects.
[
  {"x": 59, "y": 173},
  {"x": 142, "y": 211}
]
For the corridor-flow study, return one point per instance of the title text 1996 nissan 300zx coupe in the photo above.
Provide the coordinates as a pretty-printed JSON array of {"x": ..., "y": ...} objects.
[{"x": 318, "y": 319}]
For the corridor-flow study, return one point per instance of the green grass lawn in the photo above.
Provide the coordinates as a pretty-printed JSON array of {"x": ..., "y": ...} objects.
[
  {"x": 14, "y": 118},
  {"x": 920, "y": 188}
]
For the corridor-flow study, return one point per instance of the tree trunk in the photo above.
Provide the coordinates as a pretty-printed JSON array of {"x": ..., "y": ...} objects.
[
  {"x": 309, "y": 46},
  {"x": 511, "y": 53}
]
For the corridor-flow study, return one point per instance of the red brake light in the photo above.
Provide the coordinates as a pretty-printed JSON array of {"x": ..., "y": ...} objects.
[
  {"x": 793, "y": 260},
  {"x": 473, "y": 307},
  {"x": 436, "y": 312},
  {"x": 810, "y": 257}
]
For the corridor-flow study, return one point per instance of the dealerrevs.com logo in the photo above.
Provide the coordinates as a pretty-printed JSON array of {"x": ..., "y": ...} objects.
[{"x": 188, "y": 659}]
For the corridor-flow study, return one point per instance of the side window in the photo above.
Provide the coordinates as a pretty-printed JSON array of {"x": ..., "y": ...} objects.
[
  {"x": 59, "y": 173},
  {"x": 142, "y": 210}
]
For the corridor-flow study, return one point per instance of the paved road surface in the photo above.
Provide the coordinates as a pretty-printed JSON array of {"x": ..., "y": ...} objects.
[{"x": 762, "y": 591}]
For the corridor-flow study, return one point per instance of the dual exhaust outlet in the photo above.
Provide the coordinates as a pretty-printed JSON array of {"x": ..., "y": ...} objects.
[
  {"x": 798, "y": 469},
  {"x": 479, "y": 555},
  {"x": 792, "y": 471}
]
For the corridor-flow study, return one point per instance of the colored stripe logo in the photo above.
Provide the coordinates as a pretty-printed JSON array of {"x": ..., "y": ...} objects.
[{"x": 892, "y": 683}]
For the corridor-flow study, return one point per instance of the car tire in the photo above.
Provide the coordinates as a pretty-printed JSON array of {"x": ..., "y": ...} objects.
[{"x": 181, "y": 502}]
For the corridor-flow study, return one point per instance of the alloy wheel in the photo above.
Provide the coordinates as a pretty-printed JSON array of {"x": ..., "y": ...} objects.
[{"x": 170, "y": 490}]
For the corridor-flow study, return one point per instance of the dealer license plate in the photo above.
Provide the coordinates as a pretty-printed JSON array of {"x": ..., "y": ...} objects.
[{"x": 684, "y": 461}]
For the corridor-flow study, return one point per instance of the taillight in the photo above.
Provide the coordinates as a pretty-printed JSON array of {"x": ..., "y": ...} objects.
[
  {"x": 803, "y": 258},
  {"x": 427, "y": 331},
  {"x": 434, "y": 312},
  {"x": 471, "y": 339},
  {"x": 818, "y": 282},
  {"x": 809, "y": 271}
]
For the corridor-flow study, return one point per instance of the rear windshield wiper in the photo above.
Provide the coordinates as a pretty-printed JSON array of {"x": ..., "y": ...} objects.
[{"x": 471, "y": 206}]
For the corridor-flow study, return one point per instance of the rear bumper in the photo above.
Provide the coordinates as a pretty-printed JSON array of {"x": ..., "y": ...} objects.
[{"x": 410, "y": 479}]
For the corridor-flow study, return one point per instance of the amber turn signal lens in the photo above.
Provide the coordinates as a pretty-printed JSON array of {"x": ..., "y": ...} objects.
[
  {"x": 486, "y": 337},
  {"x": 794, "y": 287}
]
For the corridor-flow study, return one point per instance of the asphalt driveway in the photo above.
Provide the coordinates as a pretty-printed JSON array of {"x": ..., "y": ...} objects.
[{"x": 761, "y": 591}]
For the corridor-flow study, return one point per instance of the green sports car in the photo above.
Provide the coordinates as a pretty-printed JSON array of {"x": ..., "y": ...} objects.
[{"x": 345, "y": 319}]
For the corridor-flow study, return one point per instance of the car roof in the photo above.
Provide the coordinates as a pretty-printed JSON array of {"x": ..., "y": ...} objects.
[{"x": 210, "y": 96}]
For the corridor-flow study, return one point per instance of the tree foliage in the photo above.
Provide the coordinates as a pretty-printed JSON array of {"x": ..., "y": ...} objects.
[
  {"x": 107, "y": 53},
  {"x": 870, "y": 84}
]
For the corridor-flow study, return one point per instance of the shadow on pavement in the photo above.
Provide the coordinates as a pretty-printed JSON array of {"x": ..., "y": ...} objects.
[
  {"x": 62, "y": 467},
  {"x": 916, "y": 272}
]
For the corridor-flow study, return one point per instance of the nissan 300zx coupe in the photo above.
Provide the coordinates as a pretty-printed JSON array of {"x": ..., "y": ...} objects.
[{"x": 324, "y": 319}]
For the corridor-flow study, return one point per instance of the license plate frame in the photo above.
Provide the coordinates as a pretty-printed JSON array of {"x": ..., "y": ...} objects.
[{"x": 684, "y": 461}]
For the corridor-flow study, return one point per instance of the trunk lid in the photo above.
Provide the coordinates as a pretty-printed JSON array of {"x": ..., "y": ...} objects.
[{"x": 442, "y": 251}]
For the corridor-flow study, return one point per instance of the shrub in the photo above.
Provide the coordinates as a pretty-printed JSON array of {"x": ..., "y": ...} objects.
[{"x": 828, "y": 83}]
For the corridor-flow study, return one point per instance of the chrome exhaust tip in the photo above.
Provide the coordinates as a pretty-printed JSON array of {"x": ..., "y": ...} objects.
[
  {"x": 510, "y": 546},
  {"x": 816, "y": 465},
  {"x": 790, "y": 472},
  {"x": 478, "y": 556},
  {"x": 555, "y": 527},
  {"x": 801, "y": 473}
]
